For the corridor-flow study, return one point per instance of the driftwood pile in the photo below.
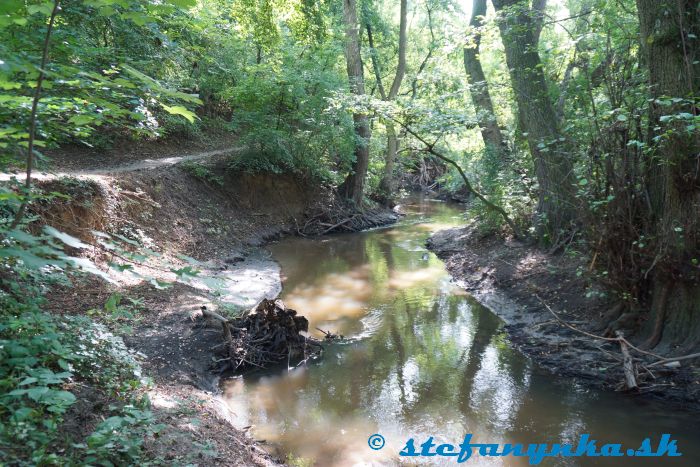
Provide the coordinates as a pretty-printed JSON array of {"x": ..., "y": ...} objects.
[
  {"x": 338, "y": 215},
  {"x": 267, "y": 335}
]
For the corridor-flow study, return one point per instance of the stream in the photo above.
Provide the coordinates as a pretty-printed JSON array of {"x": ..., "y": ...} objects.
[{"x": 421, "y": 358}]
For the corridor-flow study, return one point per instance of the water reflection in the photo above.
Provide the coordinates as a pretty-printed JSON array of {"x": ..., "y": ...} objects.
[{"x": 423, "y": 359}]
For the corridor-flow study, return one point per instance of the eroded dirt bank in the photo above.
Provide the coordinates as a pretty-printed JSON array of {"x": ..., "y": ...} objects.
[
  {"x": 221, "y": 220},
  {"x": 518, "y": 283}
]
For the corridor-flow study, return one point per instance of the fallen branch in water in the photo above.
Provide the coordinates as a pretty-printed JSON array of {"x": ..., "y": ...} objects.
[
  {"x": 333, "y": 227},
  {"x": 493, "y": 207},
  {"x": 674, "y": 359},
  {"x": 627, "y": 364},
  {"x": 329, "y": 335},
  {"x": 334, "y": 214},
  {"x": 627, "y": 360}
]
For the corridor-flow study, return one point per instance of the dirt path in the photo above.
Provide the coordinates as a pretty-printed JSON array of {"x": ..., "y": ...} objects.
[{"x": 144, "y": 164}]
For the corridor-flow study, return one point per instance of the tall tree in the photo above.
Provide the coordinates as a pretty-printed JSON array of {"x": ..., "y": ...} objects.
[
  {"x": 669, "y": 31},
  {"x": 520, "y": 25},
  {"x": 386, "y": 184},
  {"x": 479, "y": 89},
  {"x": 354, "y": 185}
]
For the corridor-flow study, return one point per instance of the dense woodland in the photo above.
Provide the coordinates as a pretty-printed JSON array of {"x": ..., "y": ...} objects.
[{"x": 570, "y": 125}]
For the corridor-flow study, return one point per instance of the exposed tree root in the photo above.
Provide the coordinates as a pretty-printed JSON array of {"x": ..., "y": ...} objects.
[
  {"x": 660, "y": 310},
  {"x": 623, "y": 320},
  {"x": 423, "y": 172},
  {"x": 631, "y": 366},
  {"x": 265, "y": 336},
  {"x": 609, "y": 316}
]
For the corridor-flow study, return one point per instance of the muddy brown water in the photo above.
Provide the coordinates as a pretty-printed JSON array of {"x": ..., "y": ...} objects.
[{"x": 421, "y": 359}]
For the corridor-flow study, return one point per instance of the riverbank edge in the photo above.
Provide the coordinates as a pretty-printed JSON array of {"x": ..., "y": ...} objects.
[
  {"x": 196, "y": 388},
  {"x": 524, "y": 287},
  {"x": 227, "y": 228}
]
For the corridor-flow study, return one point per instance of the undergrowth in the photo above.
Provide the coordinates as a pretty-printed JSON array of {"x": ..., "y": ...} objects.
[{"x": 45, "y": 360}]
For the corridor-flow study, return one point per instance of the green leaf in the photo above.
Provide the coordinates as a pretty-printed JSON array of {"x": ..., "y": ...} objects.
[
  {"x": 112, "y": 302},
  {"x": 36, "y": 394},
  {"x": 64, "y": 397},
  {"x": 183, "y": 3},
  {"x": 160, "y": 285},
  {"x": 81, "y": 120},
  {"x": 138, "y": 18},
  {"x": 88, "y": 266},
  {"x": 180, "y": 110},
  {"x": 8, "y": 85},
  {"x": 45, "y": 8},
  {"x": 28, "y": 257},
  {"x": 10, "y": 6},
  {"x": 22, "y": 413},
  {"x": 185, "y": 272}
]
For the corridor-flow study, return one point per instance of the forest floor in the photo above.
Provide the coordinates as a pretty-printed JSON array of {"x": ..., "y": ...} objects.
[
  {"x": 532, "y": 291},
  {"x": 220, "y": 219}
]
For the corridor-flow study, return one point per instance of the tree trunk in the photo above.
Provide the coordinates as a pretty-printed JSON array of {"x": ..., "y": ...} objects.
[
  {"x": 478, "y": 88},
  {"x": 401, "y": 66},
  {"x": 668, "y": 32},
  {"x": 386, "y": 185},
  {"x": 354, "y": 184},
  {"x": 536, "y": 116}
]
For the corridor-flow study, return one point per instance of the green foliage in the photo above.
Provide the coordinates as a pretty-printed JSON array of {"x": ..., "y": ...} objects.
[
  {"x": 48, "y": 362},
  {"x": 44, "y": 362},
  {"x": 118, "y": 313},
  {"x": 102, "y": 89},
  {"x": 282, "y": 111},
  {"x": 202, "y": 172},
  {"x": 264, "y": 66}
]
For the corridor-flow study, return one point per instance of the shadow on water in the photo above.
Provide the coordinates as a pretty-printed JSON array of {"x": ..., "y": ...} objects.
[{"x": 422, "y": 359}]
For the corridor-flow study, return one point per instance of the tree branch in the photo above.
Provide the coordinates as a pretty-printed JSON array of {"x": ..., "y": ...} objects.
[
  {"x": 32, "y": 122},
  {"x": 401, "y": 67},
  {"x": 375, "y": 61},
  {"x": 431, "y": 48},
  {"x": 491, "y": 206}
]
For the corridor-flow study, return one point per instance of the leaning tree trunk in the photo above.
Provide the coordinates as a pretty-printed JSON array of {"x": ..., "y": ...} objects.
[
  {"x": 669, "y": 31},
  {"x": 496, "y": 146},
  {"x": 354, "y": 185},
  {"x": 519, "y": 27},
  {"x": 386, "y": 185}
]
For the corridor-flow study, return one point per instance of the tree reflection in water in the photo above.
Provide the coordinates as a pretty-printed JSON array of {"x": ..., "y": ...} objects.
[{"x": 422, "y": 359}]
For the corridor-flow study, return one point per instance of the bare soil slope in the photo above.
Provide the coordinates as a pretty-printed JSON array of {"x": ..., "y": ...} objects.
[{"x": 530, "y": 289}]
